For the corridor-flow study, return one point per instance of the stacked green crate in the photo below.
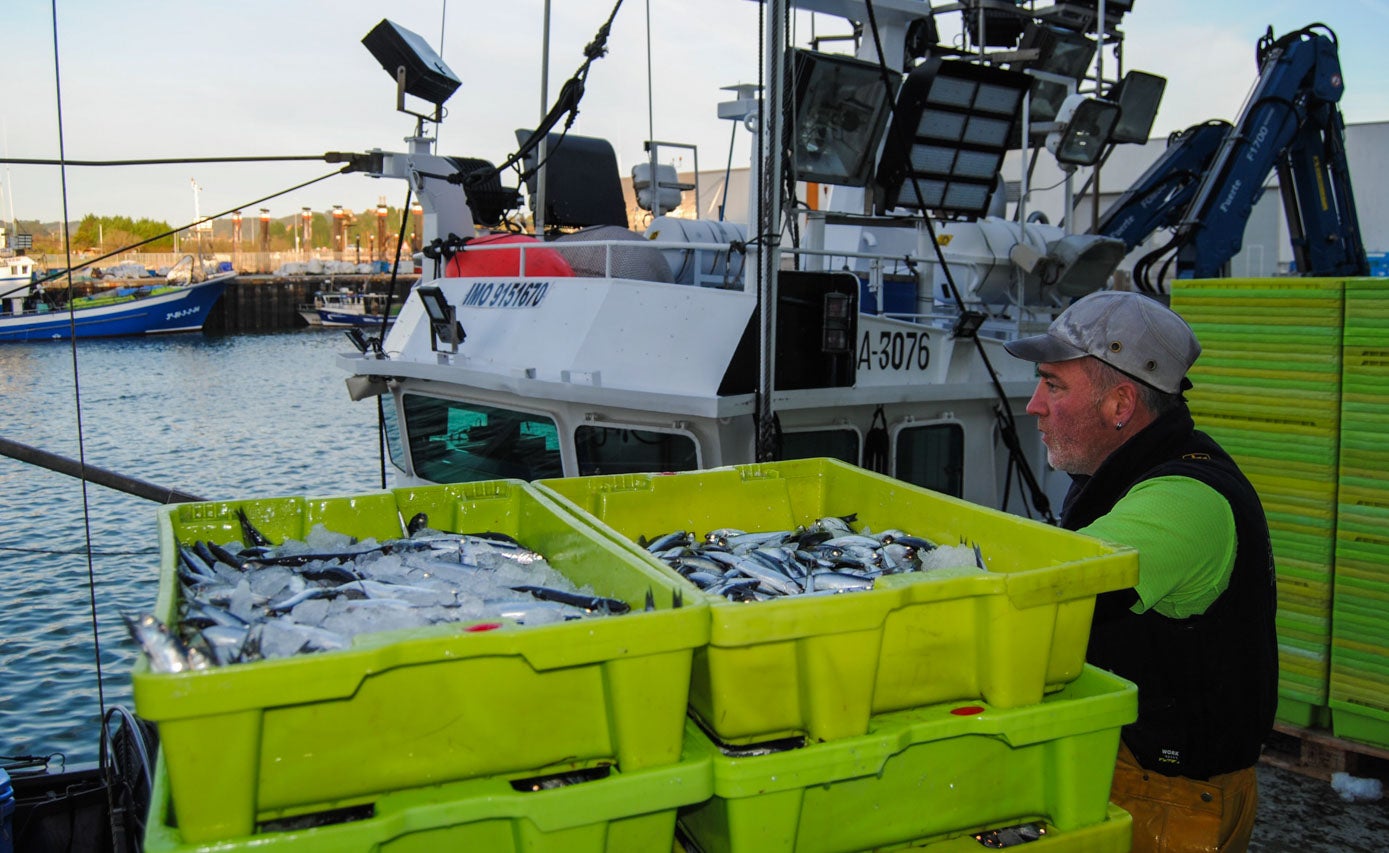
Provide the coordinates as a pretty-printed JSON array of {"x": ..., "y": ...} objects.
[
  {"x": 931, "y": 777},
  {"x": 923, "y": 710},
  {"x": 258, "y": 743},
  {"x": 1268, "y": 388},
  {"x": 1359, "y": 681}
]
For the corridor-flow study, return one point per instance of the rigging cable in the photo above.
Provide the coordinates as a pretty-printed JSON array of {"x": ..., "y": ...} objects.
[
  {"x": 76, "y": 384},
  {"x": 1004, "y": 411},
  {"x": 162, "y": 161},
  {"x": 377, "y": 344},
  {"x": 566, "y": 102}
]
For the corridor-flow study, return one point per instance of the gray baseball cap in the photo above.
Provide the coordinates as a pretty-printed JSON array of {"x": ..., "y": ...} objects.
[{"x": 1130, "y": 332}]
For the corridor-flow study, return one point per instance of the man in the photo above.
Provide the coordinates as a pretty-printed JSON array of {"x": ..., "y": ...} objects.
[{"x": 1196, "y": 634}]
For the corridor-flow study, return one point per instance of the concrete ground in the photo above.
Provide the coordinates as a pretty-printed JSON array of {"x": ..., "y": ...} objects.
[{"x": 1305, "y": 814}]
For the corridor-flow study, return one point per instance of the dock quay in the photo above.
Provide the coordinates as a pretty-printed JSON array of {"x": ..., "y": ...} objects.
[{"x": 268, "y": 303}]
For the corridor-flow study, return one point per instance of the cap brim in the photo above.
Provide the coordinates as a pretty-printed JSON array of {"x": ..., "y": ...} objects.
[{"x": 1043, "y": 348}]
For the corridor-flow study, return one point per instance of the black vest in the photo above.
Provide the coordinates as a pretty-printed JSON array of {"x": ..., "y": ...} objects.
[{"x": 1207, "y": 684}]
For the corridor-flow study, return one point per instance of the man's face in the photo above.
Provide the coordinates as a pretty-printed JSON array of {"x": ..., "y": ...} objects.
[{"x": 1070, "y": 415}]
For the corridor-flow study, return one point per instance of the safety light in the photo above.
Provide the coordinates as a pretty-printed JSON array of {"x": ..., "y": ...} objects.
[
  {"x": 417, "y": 69},
  {"x": 1084, "y": 128},
  {"x": 949, "y": 134},
  {"x": 442, "y": 325},
  {"x": 836, "y": 332},
  {"x": 841, "y": 110},
  {"x": 1138, "y": 96}
]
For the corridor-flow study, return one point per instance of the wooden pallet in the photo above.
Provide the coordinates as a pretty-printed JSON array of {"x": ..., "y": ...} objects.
[{"x": 1318, "y": 753}]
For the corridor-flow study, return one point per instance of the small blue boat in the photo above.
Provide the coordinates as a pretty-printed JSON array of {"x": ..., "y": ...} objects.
[{"x": 178, "y": 304}]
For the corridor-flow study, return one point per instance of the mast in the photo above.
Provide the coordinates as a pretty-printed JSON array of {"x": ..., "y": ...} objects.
[{"x": 768, "y": 240}]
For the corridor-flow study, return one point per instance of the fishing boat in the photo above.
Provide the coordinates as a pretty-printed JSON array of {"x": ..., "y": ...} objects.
[
  {"x": 593, "y": 348},
  {"x": 178, "y": 303},
  {"x": 349, "y": 308}
]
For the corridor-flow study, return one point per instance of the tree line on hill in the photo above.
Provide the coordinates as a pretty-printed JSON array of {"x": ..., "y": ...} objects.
[{"x": 102, "y": 234}]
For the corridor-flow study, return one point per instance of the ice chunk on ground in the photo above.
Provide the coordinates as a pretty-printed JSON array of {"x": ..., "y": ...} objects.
[{"x": 1354, "y": 789}]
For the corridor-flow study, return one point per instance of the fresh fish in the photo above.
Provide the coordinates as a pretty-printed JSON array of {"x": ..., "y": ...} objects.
[
  {"x": 166, "y": 652},
  {"x": 253, "y": 536},
  {"x": 825, "y": 558},
  {"x": 668, "y": 540},
  {"x": 222, "y": 555},
  {"x": 591, "y": 603}
]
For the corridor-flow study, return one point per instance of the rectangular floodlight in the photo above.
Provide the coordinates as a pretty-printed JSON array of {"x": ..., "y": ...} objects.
[
  {"x": 841, "y": 110},
  {"x": 426, "y": 75},
  {"x": 1138, "y": 96},
  {"x": 951, "y": 128}
]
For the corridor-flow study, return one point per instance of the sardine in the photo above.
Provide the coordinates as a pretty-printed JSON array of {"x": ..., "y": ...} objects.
[
  {"x": 166, "y": 652},
  {"x": 591, "y": 603},
  {"x": 248, "y": 530}
]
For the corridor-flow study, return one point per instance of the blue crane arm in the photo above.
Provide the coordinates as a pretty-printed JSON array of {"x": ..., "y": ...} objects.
[
  {"x": 1291, "y": 123},
  {"x": 1163, "y": 192}
]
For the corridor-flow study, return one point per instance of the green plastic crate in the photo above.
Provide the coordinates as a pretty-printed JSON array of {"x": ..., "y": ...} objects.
[
  {"x": 820, "y": 666},
  {"x": 925, "y": 774},
  {"x": 631, "y": 811},
  {"x": 257, "y": 741}
]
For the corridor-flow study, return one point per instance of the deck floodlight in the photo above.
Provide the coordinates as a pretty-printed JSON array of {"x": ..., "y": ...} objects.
[
  {"x": 993, "y": 23},
  {"x": 1084, "y": 128},
  {"x": 1082, "y": 15},
  {"x": 417, "y": 69},
  {"x": 1138, "y": 96},
  {"x": 1060, "y": 53},
  {"x": 359, "y": 340},
  {"x": 950, "y": 130},
  {"x": 841, "y": 111},
  {"x": 443, "y": 324}
]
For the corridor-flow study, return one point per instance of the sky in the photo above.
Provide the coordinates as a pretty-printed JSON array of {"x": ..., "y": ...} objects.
[{"x": 257, "y": 78}]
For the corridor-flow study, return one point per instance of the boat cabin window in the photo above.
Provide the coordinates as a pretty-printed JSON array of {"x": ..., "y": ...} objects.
[
  {"x": 932, "y": 456},
  {"x": 456, "y": 442},
  {"x": 841, "y": 444},
  {"x": 392, "y": 425},
  {"x": 623, "y": 450}
]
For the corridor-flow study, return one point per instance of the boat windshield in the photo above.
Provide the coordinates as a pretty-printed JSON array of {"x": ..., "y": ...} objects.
[{"x": 456, "y": 442}]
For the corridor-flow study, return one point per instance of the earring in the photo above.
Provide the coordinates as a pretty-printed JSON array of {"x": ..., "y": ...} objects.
[{"x": 1119, "y": 425}]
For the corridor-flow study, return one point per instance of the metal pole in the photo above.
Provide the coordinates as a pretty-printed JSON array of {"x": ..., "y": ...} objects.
[
  {"x": 543, "y": 151},
  {"x": 770, "y": 129},
  {"x": 93, "y": 474}
]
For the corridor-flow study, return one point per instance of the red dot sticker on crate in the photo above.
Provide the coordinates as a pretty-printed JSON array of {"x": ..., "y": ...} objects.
[
  {"x": 483, "y": 626},
  {"x": 967, "y": 710}
]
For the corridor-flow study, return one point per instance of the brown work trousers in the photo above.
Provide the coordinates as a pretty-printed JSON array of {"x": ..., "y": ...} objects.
[{"x": 1173, "y": 814}]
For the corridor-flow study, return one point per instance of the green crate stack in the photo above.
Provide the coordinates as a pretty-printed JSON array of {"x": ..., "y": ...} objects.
[
  {"x": 1268, "y": 387},
  {"x": 253, "y": 743},
  {"x": 1359, "y": 680},
  {"x": 931, "y": 777}
]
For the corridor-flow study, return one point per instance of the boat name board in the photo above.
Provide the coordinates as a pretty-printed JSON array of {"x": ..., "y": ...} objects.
[
  {"x": 504, "y": 294},
  {"x": 894, "y": 350}
]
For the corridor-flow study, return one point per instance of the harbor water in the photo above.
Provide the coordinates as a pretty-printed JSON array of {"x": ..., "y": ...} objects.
[{"x": 215, "y": 416}]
